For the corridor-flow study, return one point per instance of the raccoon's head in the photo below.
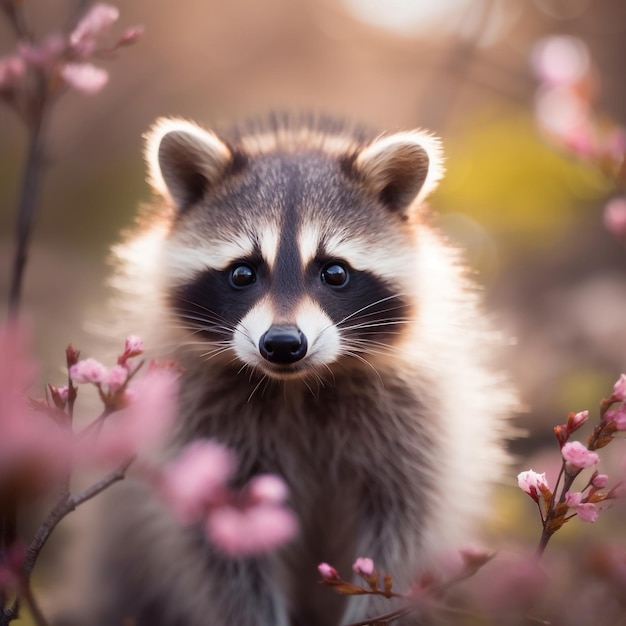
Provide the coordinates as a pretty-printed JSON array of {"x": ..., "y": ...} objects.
[{"x": 291, "y": 249}]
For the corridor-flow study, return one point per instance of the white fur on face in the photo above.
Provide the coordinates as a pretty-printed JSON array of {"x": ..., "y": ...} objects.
[
  {"x": 183, "y": 260},
  {"x": 321, "y": 335},
  {"x": 268, "y": 239}
]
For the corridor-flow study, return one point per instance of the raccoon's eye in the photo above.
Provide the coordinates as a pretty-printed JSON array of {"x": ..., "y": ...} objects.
[
  {"x": 334, "y": 274},
  {"x": 241, "y": 275}
]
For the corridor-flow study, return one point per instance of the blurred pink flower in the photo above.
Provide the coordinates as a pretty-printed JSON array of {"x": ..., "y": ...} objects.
[
  {"x": 617, "y": 417},
  {"x": 600, "y": 481},
  {"x": 573, "y": 499},
  {"x": 115, "y": 377},
  {"x": 588, "y": 512},
  {"x": 45, "y": 54},
  {"x": 12, "y": 69},
  {"x": 133, "y": 346},
  {"x": 560, "y": 59},
  {"x": 619, "y": 389},
  {"x": 32, "y": 447},
  {"x": 566, "y": 117},
  {"x": 615, "y": 216},
  {"x": 130, "y": 35},
  {"x": 267, "y": 488},
  {"x": 142, "y": 425},
  {"x": 532, "y": 483},
  {"x": 576, "y": 454},
  {"x": 254, "y": 530},
  {"x": 88, "y": 371},
  {"x": 328, "y": 572},
  {"x": 97, "y": 18},
  {"x": 196, "y": 479},
  {"x": 84, "y": 77},
  {"x": 363, "y": 566}
]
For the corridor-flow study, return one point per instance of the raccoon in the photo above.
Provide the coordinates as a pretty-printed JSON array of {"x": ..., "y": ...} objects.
[{"x": 328, "y": 335}]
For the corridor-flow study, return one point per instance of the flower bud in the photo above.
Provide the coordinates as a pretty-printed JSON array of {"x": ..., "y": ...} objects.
[
  {"x": 576, "y": 420},
  {"x": 328, "y": 572},
  {"x": 363, "y": 566},
  {"x": 532, "y": 483}
]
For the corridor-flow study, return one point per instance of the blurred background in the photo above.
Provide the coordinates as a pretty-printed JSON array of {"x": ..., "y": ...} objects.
[
  {"x": 528, "y": 96},
  {"x": 523, "y": 194}
]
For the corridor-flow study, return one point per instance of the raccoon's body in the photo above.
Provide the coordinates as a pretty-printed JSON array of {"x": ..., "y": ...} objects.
[{"x": 327, "y": 335}]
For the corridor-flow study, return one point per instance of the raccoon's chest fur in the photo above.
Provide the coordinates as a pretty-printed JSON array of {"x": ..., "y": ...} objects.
[{"x": 359, "y": 457}]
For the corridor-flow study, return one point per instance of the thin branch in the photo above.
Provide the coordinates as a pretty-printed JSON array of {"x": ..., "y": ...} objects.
[
  {"x": 29, "y": 196},
  {"x": 65, "y": 506},
  {"x": 387, "y": 617}
]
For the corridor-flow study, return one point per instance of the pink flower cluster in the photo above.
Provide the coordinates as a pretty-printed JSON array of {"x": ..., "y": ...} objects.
[
  {"x": 38, "y": 441},
  {"x": 564, "y": 101},
  {"x": 195, "y": 485},
  {"x": 38, "y": 445},
  {"x": 111, "y": 382},
  {"x": 554, "y": 506},
  {"x": 362, "y": 566},
  {"x": 64, "y": 59},
  {"x": 31, "y": 444},
  {"x": 564, "y": 111}
]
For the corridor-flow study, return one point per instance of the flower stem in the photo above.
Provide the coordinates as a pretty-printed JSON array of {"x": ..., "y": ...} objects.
[{"x": 29, "y": 196}]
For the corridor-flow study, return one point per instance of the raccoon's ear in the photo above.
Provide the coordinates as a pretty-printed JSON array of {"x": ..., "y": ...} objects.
[
  {"x": 184, "y": 160},
  {"x": 401, "y": 169}
]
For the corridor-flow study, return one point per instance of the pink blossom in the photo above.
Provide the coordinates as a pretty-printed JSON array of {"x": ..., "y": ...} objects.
[
  {"x": 99, "y": 17},
  {"x": 116, "y": 377},
  {"x": 255, "y": 530},
  {"x": 45, "y": 54},
  {"x": 12, "y": 69},
  {"x": 617, "y": 417},
  {"x": 576, "y": 420},
  {"x": 133, "y": 346},
  {"x": 84, "y": 77},
  {"x": 88, "y": 371},
  {"x": 32, "y": 445},
  {"x": 363, "y": 566},
  {"x": 131, "y": 35},
  {"x": 327, "y": 572},
  {"x": 560, "y": 59},
  {"x": 615, "y": 216},
  {"x": 576, "y": 454},
  {"x": 139, "y": 427},
  {"x": 267, "y": 488},
  {"x": 197, "y": 478},
  {"x": 588, "y": 512},
  {"x": 600, "y": 481},
  {"x": 561, "y": 113},
  {"x": 532, "y": 483},
  {"x": 619, "y": 389},
  {"x": 574, "y": 499}
]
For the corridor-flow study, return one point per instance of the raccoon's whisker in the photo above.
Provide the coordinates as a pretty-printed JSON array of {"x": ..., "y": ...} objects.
[
  {"x": 369, "y": 343},
  {"x": 306, "y": 384},
  {"x": 368, "y": 306},
  {"x": 213, "y": 353},
  {"x": 368, "y": 350},
  {"x": 377, "y": 312},
  {"x": 357, "y": 356},
  {"x": 375, "y": 324},
  {"x": 263, "y": 378}
]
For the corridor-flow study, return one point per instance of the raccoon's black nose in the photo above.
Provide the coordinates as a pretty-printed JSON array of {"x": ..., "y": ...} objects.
[{"x": 283, "y": 344}]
